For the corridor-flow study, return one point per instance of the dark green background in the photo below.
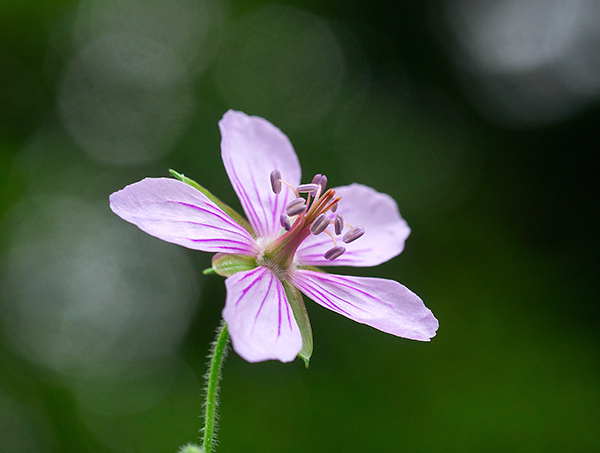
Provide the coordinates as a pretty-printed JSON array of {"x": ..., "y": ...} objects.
[{"x": 504, "y": 249}]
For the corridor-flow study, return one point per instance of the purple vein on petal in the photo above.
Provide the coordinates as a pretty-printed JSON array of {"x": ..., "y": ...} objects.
[
  {"x": 264, "y": 298},
  {"x": 218, "y": 214},
  {"x": 213, "y": 227},
  {"x": 262, "y": 207},
  {"x": 330, "y": 297},
  {"x": 225, "y": 244},
  {"x": 279, "y": 299},
  {"x": 347, "y": 283},
  {"x": 327, "y": 300},
  {"x": 252, "y": 283},
  {"x": 315, "y": 244},
  {"x": 239, "y": 186},
  {"x": 326, "y": 297},
  {"x": 226, "y": 241},
  {"x": 341, "y": 281},
  {"x": 235, "y": 181}
]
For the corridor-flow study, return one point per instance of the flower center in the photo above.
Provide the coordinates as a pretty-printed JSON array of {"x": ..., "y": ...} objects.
[{"x": 305, "y": 216}]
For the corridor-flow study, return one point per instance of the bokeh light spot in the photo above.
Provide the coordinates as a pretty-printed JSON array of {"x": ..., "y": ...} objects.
[
  {"x": 526, "y": 63},
  {"x": 85, "y": 294},
  {"x": 126, "y": 98}
]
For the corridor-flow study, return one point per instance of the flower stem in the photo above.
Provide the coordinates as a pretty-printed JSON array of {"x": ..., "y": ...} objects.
[{"x": 213, "y": 376}]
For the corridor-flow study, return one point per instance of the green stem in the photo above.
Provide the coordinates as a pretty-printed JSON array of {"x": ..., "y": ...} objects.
[{"x": 217, "y": 356}]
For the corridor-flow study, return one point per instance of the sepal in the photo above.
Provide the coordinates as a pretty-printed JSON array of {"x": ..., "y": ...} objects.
[
  {"x": 232, "y": 213},
  {"x": 294, "y": 298},
  {"x": 226, "y": 264}
]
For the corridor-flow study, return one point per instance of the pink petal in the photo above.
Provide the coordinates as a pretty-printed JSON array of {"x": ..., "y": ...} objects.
[
  {"x": 361, "y": 206},
  {"x": 176, "y": 212},
  {"x": 259, "y": 318},
  {"x": 252, "y": 148},
  {"x": 384, "y": 304}
]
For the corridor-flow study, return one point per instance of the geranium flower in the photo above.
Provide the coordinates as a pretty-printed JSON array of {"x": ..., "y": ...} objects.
[{"x": 268, "y": 258}]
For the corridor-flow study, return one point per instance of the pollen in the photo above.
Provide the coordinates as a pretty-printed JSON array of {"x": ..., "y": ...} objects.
[
  {"x": 334, "y": 253},
  {"x": 319, "y": 225},
  {"x": 338, "y": 224},
  {"x": 353, "y": 235},
  {"x": 296, "y": 207},
  {"x": 276, "y": 181}
]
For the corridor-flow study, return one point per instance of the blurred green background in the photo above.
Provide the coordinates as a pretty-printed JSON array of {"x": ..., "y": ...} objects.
[{"x": 479, "y": 118}]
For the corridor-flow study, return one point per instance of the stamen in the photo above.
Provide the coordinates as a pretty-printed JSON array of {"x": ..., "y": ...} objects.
[
  {"x": 331, "y": 236},
  {"x": 276, "y": 181},
  {"x": 334, "y": 207},
  {"x": 319, "y": 225},
  {"x": 285, "y": 222},
  {"x": 322, "y": 182},
  {"x": 307, "y": 188},
  {"x": 291, "y": 187},
  {"x": 296, "y": 207},
  {"x": 353, "y": 235},
  {"x": 334, "y": 252},
  {"x": 338, "y": 223}
]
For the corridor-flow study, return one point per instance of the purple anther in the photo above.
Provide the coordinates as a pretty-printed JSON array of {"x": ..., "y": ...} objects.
[
  {"x": 338, "y": 224},
  {"x": 285, "y": 222},
  {"x": 353, "y": 235},
  {"x": 316, "y": 178},
  {"x": 320, "y": 224},
  {"x": 296, "y": 207},
  {"x": 276, "y": 181},
  {"x": 322, "y": 182},
  {"x": 334, "y": 252},
  {"x": 334, "y": 207},
  {"x": 307, "y": 188}
]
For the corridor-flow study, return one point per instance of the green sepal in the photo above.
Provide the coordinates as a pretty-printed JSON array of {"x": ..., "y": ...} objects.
[
  {"x": 295, "y": 300},
  {"x": 224, "y": 207},
  {"x": 227, "y": 264}
]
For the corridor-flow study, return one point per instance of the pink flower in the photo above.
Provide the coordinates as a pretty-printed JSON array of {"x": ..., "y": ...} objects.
[{"x": 268, "y": 258}]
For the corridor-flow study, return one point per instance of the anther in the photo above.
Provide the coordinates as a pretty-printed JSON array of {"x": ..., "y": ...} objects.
[
  {"x": 296, "y": 207},
  {"x": 320, "y": 180},
  {"x": 276, "y": 181},
  {"x": 334, "y": 207},
  {"x": 307, "y": 188},
  {"x": 353, "y": 235},
  {"x": 285, "y": 222},
  {"x": 338, "y": 223},
  {"x": 334, "y": 252},
  {"x": 319, "y": 224}
]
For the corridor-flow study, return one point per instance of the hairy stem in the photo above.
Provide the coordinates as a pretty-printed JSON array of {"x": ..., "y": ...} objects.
[{"x": 213, "y": 376}]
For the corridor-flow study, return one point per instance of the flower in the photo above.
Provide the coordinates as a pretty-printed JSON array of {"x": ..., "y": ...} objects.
[{"x": 271, "y": 258}]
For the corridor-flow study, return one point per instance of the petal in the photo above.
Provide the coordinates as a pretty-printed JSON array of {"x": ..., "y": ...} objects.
[
  {"x": 259, "y": 317},
  {"x": 385, "y": 230},
  {"x": 252, "y": 148},
  {"x": 384, "y": 304},
  {"x": 175, "y": 212}
]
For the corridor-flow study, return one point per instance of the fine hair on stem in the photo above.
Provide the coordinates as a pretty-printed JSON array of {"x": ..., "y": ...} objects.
[{"x": 216, "y": 357}]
